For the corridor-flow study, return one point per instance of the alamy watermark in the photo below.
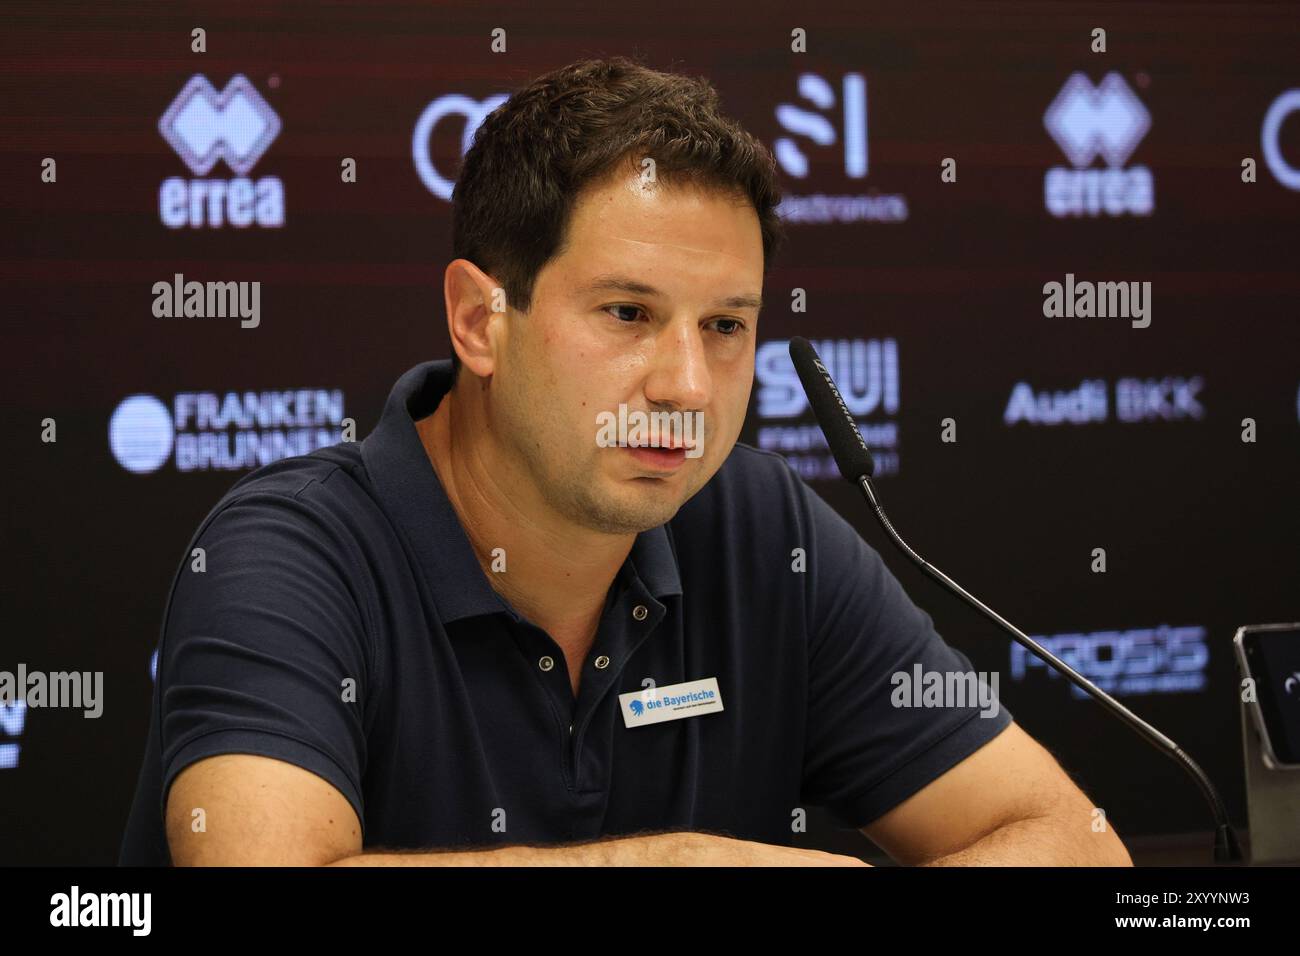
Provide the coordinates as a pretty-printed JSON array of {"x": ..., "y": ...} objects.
[
  {"x": 75, "y": 689},
  {"x": 133, "y": 911},
  {"x": 208, "y": 300},
  {"x": 1086, "y": 300},
  {"x": 948, "y": 689},
  {"x": 659, "y": 429}
]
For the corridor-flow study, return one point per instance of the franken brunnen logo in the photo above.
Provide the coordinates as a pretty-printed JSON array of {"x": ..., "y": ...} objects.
[
  {"x": 207, "y": 431},
  {"x": 234, "y": 126}
]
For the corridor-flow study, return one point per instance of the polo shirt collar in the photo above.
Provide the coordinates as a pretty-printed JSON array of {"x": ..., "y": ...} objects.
[{"x": 416, "y": 502}]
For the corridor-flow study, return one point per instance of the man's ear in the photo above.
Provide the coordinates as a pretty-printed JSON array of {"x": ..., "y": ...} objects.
[{"x": 474, "y": 300}]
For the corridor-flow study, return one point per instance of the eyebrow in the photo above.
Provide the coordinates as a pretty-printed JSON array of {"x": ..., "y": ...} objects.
[{"x": 618, "y": 283}]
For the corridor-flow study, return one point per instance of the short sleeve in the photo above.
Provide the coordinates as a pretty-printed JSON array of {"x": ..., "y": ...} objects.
[
  {"x": 865, "y": 752},
  {"x": 264, "y": 646}
]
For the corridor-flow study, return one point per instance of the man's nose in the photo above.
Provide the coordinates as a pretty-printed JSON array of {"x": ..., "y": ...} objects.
[{"x": 680, "y": 373}]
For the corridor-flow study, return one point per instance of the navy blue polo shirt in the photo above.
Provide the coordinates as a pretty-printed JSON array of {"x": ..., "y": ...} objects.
[{"x": 344, "y": 624}]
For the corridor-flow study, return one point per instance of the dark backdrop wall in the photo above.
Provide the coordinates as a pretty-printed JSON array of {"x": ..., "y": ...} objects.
[{"x": 924, "y": 292}]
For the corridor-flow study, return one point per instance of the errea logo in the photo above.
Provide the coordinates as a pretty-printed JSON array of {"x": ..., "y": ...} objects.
[
  {"x": 1087, "y": 122},
  {"x": 204, "y": 127}
]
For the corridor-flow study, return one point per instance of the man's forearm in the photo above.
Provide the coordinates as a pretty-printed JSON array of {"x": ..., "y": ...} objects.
[
  {"x": 662, "y": 848},
  {"x": 1057, "y": 840},
  {"x": 654, "y": 849}
]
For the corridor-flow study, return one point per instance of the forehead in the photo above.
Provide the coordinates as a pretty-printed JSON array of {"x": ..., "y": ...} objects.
[{"x": 622, "y": 223}]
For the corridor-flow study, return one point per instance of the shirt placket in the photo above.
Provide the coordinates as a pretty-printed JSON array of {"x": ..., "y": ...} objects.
[{"x": 628, "y": 620}]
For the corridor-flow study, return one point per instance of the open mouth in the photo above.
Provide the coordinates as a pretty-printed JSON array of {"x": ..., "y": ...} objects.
[
  {"x": 661, "y": 446},
  {"x": 657, "y": 457}
]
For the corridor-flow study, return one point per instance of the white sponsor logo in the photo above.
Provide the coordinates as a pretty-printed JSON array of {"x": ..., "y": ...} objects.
[
  {"x": 1087, "y": 122},
  {"x": 866, "y": 374},
  {"x": 851, "y": 134},
  {"x": 1136, "y": 400},
  {"x": 1282, "y": 107},
  {"x": 455, "y": 105},
  {"x": 203, "y": 125},
  {"x": 209, "y": 431},
  {"x": 235, "y": 126},
  {"x": 1156, "y": 660},
  {"x": 12, "y": 718},
  {"x": 140, "y": 434}
]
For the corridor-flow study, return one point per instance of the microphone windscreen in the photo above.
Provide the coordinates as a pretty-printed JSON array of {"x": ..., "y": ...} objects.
[{"x": 842, "y": 435}]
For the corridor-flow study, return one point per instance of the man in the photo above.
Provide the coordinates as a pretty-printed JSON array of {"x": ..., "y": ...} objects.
[{"x": 416, "y": 651}]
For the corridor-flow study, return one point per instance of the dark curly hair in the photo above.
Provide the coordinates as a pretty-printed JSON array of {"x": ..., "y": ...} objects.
[{"x": 572, "y": 127}]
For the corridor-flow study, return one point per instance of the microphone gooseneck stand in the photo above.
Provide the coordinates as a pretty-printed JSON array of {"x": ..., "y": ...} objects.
[{"x": 856, "y": 464}]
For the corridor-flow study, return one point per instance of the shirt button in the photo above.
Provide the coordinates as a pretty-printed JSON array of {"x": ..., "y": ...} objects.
[
  {"x": 639, "y": 612},
  {"x": 570, "y": 728},
  {"x": 602, "y": 662},
  {"x": 546, "y": 663}
]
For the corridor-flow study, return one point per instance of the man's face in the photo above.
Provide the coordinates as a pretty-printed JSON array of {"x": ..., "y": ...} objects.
[{"x": 667, "y": 340}]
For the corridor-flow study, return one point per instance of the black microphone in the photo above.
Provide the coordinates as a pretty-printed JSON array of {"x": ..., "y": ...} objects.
[{"x": 854, "y": 461}]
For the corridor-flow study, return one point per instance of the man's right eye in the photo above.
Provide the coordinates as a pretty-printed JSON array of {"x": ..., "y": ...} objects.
[{"x": 632, "y": 308}]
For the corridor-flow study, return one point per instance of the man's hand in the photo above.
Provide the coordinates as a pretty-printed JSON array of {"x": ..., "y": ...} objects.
[
  {"x": 706, "y": 849},
  {"x": 679, "y": 848}
]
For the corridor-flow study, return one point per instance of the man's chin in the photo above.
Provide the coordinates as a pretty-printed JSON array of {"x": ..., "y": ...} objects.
[{"x": 619, "y": 515}]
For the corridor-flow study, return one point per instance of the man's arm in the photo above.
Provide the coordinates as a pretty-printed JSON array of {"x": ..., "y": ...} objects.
[
  {"x": 259, "y": 811},
  {"x": 1007, "y": 804},
  {"x": 678, "y": 848}
]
